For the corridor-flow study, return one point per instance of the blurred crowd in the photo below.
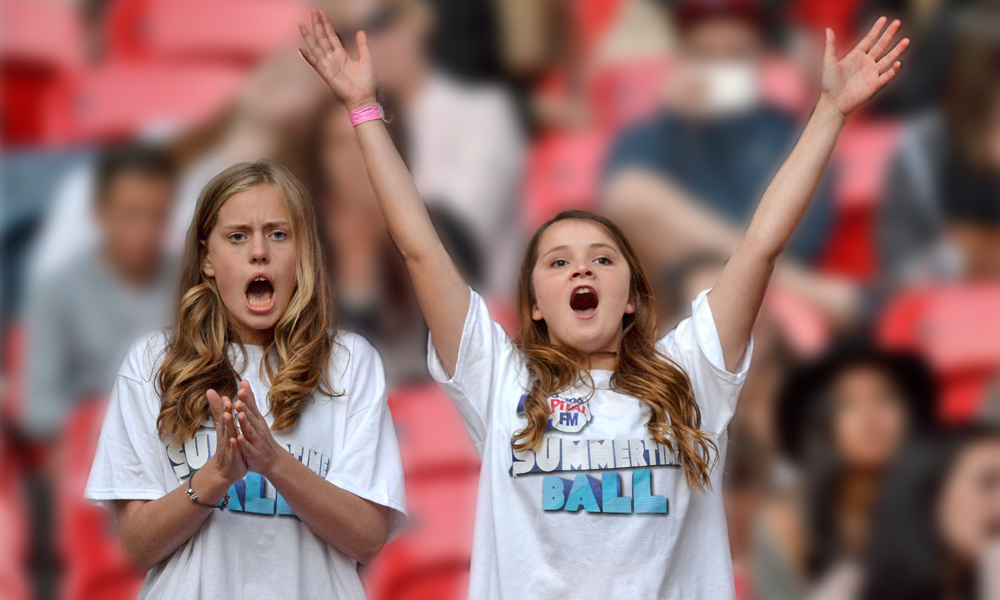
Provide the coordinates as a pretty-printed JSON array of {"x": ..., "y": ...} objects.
[{"x": 864, "y": 459}]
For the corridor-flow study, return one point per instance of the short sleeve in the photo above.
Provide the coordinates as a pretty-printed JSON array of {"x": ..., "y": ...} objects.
[
  {"x": 369, "y": 465},
  {"x": 695, "y": 346},
  {"x": 487, "y": 360},
  {"x": 128, "y": 464}
]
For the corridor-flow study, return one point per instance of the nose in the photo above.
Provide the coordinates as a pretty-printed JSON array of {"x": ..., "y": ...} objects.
[
  {"x": 582, "y": 269},
  {"x": 258, "y": 250}
]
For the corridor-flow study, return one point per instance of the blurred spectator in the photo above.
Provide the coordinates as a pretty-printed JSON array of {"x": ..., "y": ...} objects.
[
  {"x": 940, "y": 215},
  {"x": 374, "y": 296},
  {"x": 931, "y": 27},
  {"x": 744, "y": 487},
  {"x": 464, "y": 141},
  {"x": 269, "y": 119},
  {"x": 936, "y": 529},
  {"x": 689, "y": 179},
  {"x": 82, "y": 319},
  {"x": 842, "y": 419}
]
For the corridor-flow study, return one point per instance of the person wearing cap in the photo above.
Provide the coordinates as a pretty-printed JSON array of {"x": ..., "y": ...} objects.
[
  {"x": 841, "y": 421},
  {"x": 696, "y": 168}
]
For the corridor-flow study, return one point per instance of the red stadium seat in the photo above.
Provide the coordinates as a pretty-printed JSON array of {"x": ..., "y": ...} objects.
[
  {"x": 957, "y": 330},
  {"x": 431, "y": 560},
  {"x": 862, "y": 157},
  {"x": 243, "y": 30},
  {"x": 38, "y": 40},
  {"x": 622, "y": 94},
  {"x": 121, "y": 99},
  {"x": 591, "y": 19},
  {"x": 41, "y": 32},
  {"x": 432, "y": 439},
  {"x": 782, "y": 85},
  {"x": 95, "y": 566},
  {"x": 563, "y": 173}
]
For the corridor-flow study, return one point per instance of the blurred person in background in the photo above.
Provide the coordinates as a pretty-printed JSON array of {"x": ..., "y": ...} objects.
[
  {"x": 842, "y": 420},
  {"x": 463, "y": 142},
  {"x": 269, "y": 118},
  {"x": 374, "y": 295},
  {"x": 935, "y": 531},
  {"x": 933, "y": 27},
  {"x": 939, "y": 219},
  {"x": 83, "y": 317},
  {"x": 696, "y": 169},
  {"x": 744, "y": 488}
]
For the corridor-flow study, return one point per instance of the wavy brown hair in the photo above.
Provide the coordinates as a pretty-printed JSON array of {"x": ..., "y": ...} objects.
[
  {"x": 197, "y": 356},
  {"x": 642, "y": 372}
]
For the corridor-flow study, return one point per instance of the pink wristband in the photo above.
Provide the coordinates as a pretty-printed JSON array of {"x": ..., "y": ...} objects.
[{"x": 365, "y": 114}]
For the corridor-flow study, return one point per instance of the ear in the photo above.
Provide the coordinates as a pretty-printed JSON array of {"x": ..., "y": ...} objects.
[
  {"x": 630, "y": 308},
  {"x": 536, "y": 314},
  {"x": 206, "y": 263}
]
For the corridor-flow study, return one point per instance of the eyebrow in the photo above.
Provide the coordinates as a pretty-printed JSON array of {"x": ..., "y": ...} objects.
[
  {"x": 267, "y": 225},
  {"x": 596, "y": 245}
]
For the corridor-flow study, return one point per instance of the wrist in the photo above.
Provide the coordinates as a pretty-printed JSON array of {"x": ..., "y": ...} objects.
[
  {"x": 211, "y": 484},
  {"x": 275, "y": 464},
  {"x": 826, "y": 108},
  {"x": 360, "y": 102}
]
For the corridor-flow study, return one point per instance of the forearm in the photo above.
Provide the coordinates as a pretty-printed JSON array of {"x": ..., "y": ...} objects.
[
  {"x": 442, "y": 293},
  {"x": 153, "y": 530},
  {"x": 739, "y": 291},
  {"x": 354, "y": 526},
  {"x": 785, "y": 200}
]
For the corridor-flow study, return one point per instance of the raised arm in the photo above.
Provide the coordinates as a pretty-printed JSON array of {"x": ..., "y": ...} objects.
[
  {"x": 443, "y": 294},
  {"x": 847, "y": 83}
]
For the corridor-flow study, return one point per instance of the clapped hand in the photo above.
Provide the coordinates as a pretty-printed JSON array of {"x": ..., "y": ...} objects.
[
  {"x": 227, "y": 463},
  {"x": 259, "y": 447}
]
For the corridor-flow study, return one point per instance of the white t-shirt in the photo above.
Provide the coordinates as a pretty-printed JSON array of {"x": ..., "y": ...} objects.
[
  {"x": 256, "y": 548},
  {"x": 544, "y": 522}
]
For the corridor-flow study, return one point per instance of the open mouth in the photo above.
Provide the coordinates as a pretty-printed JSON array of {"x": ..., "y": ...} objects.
[
  {"x": 584, "y": 301},
  {"x": 260, "y": 295}
]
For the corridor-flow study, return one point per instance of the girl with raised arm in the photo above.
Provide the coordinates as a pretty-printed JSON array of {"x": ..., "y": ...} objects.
[
  {"x": 219, "y": 494},
  {"x": 601, "y": 446}
]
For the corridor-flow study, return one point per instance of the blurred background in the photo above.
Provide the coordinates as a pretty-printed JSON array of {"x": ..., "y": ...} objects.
[{"x": 864, "y": 459}]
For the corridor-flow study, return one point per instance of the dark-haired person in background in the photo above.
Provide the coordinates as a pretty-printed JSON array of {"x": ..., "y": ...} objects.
[
  {"x": 940, "y": 213},
  {"x": 82, "y": 318},
  {"x": 935, "y": 531},
  {"x": 842, "y": 420}
]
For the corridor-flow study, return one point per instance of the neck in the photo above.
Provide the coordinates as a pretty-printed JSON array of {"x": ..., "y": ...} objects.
[
  {"x": 606, "y": 361},
  {"x": 253, "y": 337}
]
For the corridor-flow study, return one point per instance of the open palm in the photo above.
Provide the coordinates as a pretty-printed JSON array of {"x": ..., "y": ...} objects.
[
  {"x": 852, "y": 80},
  {"x": 353, "y": 81}
]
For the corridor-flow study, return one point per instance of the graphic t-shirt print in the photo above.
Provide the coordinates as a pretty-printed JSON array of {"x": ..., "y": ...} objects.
[
  {"x": 560, "y": 456},
  {"x": 252, "y": 494}
]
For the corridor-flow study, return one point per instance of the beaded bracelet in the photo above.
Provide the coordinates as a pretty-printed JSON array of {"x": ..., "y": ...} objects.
[{"x": 194, "y": 497}]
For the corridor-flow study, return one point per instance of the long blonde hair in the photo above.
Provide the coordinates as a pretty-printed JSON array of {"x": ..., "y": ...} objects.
[
  {"x": 197, "y": 356},
  {"x": 641, "y": 372}
]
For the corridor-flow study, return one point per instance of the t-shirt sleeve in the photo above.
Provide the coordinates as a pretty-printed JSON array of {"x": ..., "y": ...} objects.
[
  {"x": 128, "y": 464},
  {"x": 369, "y": 465},
  {"x": 487, "y": 358},
  {"x": 695, "y": 346}
]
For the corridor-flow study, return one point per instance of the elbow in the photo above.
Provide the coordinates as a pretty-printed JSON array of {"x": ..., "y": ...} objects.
[
  {"x": 136, "y": 556},
  {"x": 368, "y": 555},
  {"x": 371, "y": 545}
]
